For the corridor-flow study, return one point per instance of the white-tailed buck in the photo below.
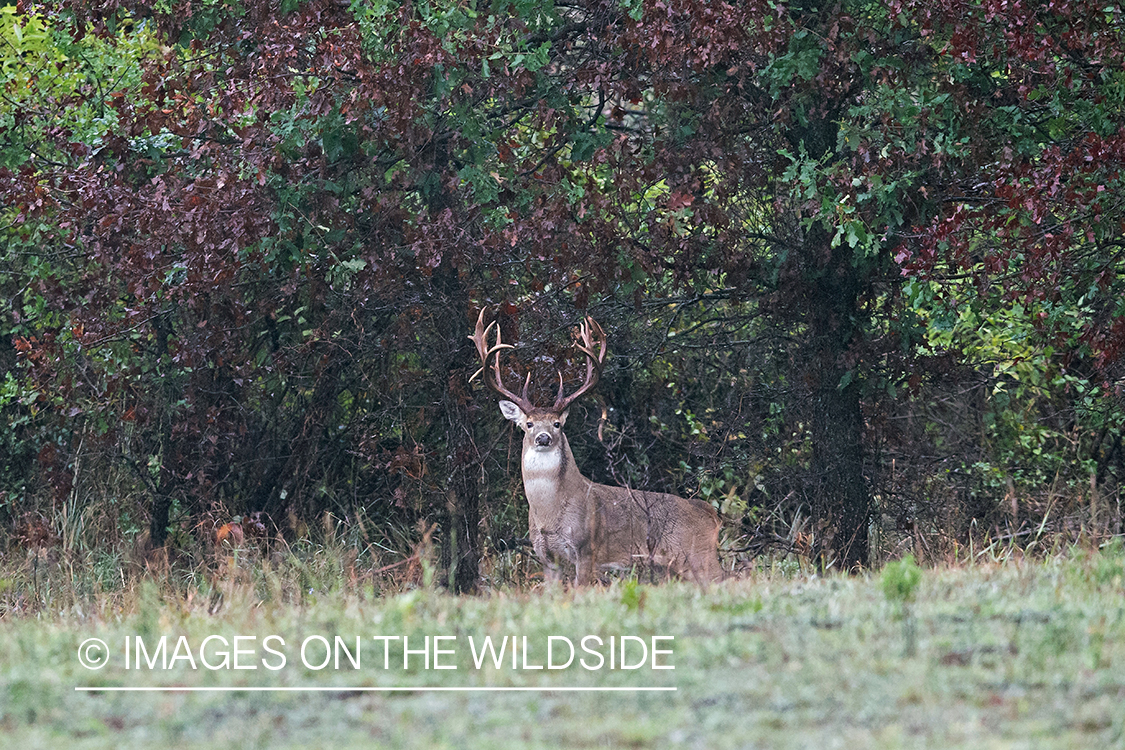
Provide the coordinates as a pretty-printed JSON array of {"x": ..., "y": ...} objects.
[{"x": 576, "y": 523}]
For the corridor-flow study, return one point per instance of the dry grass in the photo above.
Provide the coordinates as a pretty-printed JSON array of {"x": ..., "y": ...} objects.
[{"x": 1019, "y": 653}]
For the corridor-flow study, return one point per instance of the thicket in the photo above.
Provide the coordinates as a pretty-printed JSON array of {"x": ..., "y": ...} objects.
[{"x": 859, "y": 263}]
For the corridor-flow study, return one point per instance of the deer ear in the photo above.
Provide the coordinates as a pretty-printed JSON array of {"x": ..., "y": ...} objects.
[
  {"x": 562, "y": 417},
  {"x": 511, "y": 411}
]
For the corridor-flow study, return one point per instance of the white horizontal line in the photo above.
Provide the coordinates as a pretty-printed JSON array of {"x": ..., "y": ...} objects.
[{"x": 397, "y": 689}]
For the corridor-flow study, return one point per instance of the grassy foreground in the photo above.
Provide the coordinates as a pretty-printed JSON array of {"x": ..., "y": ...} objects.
[{"x": 1016, "y": 655}]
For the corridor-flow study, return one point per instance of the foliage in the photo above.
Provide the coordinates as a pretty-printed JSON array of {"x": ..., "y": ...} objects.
[
  {"x": 859, "y": 263},
  {"x": 900, "y": 579}
]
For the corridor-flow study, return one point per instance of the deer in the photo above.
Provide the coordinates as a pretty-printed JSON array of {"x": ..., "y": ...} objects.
[{"x": 580, "y": 525}]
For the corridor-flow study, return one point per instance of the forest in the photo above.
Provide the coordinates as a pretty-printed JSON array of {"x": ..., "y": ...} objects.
[{"x": 859, "y": 265}]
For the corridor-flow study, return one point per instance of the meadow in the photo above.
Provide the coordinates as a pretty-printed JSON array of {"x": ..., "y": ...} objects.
[{"x": 1013, "y": 654}]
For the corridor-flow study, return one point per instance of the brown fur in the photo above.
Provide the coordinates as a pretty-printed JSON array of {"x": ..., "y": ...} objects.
[{"x": 595, "y": 527}]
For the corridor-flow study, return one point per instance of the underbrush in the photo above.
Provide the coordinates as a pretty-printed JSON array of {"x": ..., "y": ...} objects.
[{"x": 57, "y": 571}]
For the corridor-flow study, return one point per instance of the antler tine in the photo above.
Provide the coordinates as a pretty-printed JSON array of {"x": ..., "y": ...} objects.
[
  {"x": 524, "y": 398},
  {"x": 480, "y": 339},
  {"x": 560, "y": 397},
  {"x": 592, "y": 336},
  {"x": 591, "y": 342},
  {"x": 492, "y": 373}
]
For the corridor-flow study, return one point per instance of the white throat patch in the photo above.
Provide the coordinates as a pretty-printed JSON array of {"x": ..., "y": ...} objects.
[
  {"x": 540, "y": 462},
  {"x": 541, "y": 474}
]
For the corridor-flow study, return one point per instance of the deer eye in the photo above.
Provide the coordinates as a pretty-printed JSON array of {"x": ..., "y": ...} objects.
[
  {"x": 557, "y": 425},
  {"x": 530, "y": 425}
]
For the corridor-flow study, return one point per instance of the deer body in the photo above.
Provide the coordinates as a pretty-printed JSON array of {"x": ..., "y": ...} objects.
[{"x": 592, "y": 527}]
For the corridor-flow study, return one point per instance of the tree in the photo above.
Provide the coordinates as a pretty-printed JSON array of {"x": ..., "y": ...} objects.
[{"x": 249, "y": 241}]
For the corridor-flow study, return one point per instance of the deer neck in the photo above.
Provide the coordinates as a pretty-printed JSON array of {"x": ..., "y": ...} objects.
[{"x": 551, "y": 476}]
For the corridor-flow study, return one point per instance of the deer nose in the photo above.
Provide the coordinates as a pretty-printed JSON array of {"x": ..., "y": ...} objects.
[{"x": 543, "y": 439}]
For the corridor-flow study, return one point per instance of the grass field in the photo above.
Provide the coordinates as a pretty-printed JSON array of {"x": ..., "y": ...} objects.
[{"x": 1019, "y": 655}]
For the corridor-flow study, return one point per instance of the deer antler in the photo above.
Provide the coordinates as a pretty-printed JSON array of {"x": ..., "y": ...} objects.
[
  {"x": 591, "y": 342},
  {"x": 492, "y": 372}
]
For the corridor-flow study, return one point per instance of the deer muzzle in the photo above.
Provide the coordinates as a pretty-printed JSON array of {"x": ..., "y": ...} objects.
[{"x": 543, "y": 440}]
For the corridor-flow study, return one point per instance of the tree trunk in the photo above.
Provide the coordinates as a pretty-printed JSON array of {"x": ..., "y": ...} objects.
[
  {"x": 841, "y": 496},
  {"x": 461, "y": 548},
  {"x": 841, "y": 499},
  {"x": 162, "y": 492}
]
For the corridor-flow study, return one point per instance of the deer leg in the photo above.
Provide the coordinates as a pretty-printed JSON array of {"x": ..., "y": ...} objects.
[
  {"x": 552, "y": 571},
  {"x": 585, "y": 565},
  {"x": 584, "y": 571}
]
